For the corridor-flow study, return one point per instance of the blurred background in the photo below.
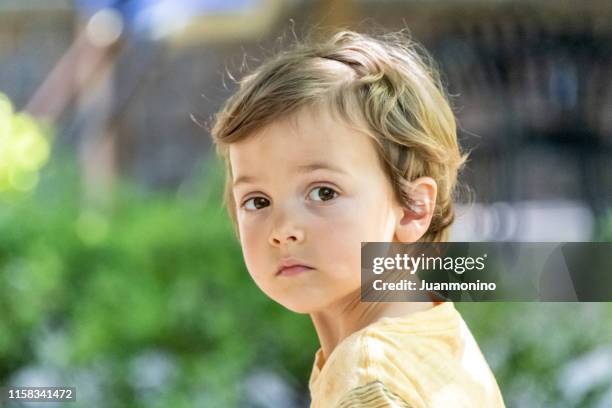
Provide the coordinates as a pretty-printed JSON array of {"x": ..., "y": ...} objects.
[{"x": 119, "y": 273}]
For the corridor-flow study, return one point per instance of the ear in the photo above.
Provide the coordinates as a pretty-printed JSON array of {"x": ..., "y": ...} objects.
[{"x": 413, "y": 222}]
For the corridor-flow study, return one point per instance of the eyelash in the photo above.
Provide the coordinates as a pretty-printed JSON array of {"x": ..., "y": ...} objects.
[{"x": 335, "y": 193}]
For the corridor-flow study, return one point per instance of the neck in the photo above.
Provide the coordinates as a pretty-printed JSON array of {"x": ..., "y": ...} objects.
[{"x": 349, "y": 315}]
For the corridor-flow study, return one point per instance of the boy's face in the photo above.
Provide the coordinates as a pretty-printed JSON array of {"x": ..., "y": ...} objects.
[{"x": 316, "y": 216}]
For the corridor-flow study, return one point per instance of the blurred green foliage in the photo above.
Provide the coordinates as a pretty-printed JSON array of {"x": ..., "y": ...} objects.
[
  {"x": 85, "y": 290},
  {"x": 605, "y": 229},
  {"x": 546, "y": 354}
]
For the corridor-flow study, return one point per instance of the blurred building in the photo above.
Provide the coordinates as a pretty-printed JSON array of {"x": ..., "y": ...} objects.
[{"x": 33, "y": 36}]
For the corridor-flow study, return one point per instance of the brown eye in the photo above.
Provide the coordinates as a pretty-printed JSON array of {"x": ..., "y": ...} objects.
[
  {"x": 322, "y": 194},
  {"x": 255, "y": 203}
]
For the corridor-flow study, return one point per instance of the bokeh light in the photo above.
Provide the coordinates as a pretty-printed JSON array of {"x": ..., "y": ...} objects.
[{"x": 24, "y": 148}]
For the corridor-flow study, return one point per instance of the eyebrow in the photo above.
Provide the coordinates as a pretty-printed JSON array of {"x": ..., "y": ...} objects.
[{"x": 304, "y": 168}]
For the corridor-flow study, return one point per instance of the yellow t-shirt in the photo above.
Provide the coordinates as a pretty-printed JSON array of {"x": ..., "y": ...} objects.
[{"x": 427, "y": 359}]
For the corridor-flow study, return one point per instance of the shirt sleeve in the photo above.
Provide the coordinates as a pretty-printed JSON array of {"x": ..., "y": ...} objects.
[{"x": 373, "y": 394}]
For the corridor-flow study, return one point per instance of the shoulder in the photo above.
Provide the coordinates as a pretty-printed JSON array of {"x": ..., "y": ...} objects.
[
  {"x": 429, "y": 363},
  {"x": 436, "y": 364}
]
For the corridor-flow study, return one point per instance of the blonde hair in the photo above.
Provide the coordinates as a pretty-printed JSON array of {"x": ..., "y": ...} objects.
[{"x": 386, "y": 84}]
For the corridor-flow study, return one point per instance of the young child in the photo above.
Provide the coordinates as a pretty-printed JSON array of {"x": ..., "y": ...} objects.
[{"x": 334, "y": 143}]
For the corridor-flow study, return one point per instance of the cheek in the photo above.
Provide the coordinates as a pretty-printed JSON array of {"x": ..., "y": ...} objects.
[
  {"x": 252, "y": 242},
  {"x": 339, "y": 234},
  {"x": 379, "y": 218},
  {"x": 364, "y": 220}
]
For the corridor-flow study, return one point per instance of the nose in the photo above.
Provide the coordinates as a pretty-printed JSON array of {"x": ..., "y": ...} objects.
[{"x": 285, "y": 231}]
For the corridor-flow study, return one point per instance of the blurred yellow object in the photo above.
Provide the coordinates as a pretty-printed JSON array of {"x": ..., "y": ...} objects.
[
  {"x": 224, "y": 27},
  {"x": 24, "y": 148}
]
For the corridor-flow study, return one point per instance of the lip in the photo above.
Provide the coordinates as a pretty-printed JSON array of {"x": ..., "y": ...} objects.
[{"x": 292, "y": 267}]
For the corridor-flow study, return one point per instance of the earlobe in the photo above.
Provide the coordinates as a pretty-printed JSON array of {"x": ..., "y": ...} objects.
[{"x": 416, "y": 212}]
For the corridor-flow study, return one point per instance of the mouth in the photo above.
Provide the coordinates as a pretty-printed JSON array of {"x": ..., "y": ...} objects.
[
  {"x": 290, "y": 267},
  {"x": 293, "y": 270}
]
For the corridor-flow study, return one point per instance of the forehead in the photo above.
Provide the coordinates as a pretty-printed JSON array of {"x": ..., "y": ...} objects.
[{"x": 309, "y": 135}]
